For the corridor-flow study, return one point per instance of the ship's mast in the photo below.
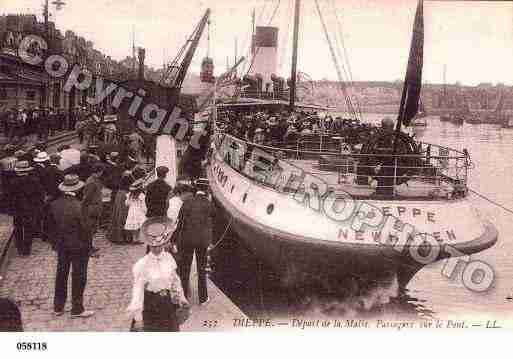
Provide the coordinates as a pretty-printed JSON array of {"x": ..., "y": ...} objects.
[
  {"x": 445, "y": 86},
  {"x": 253, "y": 25},
  {"x": 134, "y": 58},
  {"x": 235, "y": 58},
  {"x": 293, "y": 75}
]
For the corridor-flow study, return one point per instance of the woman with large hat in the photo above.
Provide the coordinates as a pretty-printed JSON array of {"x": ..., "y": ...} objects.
[{"x": 157, "y": 296}]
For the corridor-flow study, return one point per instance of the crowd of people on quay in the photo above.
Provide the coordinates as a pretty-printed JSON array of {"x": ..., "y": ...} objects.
[
  {"x": 19, "y": 125},
  {"x": 61, "y": 199}
]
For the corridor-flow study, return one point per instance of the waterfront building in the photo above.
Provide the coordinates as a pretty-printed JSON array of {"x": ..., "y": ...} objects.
[{"x": 27, "y": 86}]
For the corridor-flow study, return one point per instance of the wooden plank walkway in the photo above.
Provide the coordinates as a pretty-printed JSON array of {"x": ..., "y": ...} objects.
[{"x": 30, "y": 282}]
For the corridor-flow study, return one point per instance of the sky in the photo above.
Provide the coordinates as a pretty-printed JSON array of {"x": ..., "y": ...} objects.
[{"x": 473, "y": 39}]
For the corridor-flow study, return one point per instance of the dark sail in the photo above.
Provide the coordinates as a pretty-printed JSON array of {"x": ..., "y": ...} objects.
[{"x": 413, "y": 81}]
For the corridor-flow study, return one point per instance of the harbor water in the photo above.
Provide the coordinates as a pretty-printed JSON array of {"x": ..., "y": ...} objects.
[{"x": 430, "y": 294}]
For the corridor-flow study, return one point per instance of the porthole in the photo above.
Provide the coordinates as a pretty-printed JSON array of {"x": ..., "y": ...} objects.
[
  {"x": 270, "y": 208},
  {"x": 244, "y": 197}
]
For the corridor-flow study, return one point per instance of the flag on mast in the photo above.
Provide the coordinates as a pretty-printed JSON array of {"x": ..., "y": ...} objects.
[{"x": 413, "y": 80}]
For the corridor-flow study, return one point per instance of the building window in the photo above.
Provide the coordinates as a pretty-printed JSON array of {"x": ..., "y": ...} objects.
[
  {"x": 31, "y": 95},
  {"x": 3, "y": 94}
]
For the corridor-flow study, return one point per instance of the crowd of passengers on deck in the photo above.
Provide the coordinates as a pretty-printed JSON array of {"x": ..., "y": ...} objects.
[
  {"x": 268, "y": 128},
  {"x": 280, "y": 129}
]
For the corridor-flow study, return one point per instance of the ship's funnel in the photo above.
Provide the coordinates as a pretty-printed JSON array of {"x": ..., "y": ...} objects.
[{"x": 265, "y": 54}]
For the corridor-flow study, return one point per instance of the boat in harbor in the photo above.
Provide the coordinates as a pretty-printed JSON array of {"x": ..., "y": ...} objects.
[
  {"x": 473, "y": 119},
  {"x": 313, "y": 208},
  {"x": 507, "y": 122},
  {"x": 420, "y": 119},
  {"x": 445, "y": 117},
  {"x": 457, "y": 119}
]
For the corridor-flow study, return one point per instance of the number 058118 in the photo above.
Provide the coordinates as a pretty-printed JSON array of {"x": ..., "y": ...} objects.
[{"x": 25, "y": 346}]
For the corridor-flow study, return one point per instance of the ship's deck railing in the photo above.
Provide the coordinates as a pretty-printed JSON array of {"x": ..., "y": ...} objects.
[
  {"x": 266, "y": 95},
  {"x": 432, "y": 171}
]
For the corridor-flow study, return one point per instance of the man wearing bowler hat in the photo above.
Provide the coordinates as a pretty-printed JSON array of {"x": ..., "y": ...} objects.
[{"x": 72, "y": 247}]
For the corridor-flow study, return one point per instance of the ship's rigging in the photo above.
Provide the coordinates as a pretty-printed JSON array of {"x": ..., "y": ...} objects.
[{"x": 298, "y": 80}]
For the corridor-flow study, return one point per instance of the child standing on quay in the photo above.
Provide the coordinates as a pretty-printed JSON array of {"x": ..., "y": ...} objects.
[{"x": 136, "y": 202}]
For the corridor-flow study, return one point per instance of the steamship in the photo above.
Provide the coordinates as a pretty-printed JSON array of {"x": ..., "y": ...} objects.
[{"x": 310, "y": 210}]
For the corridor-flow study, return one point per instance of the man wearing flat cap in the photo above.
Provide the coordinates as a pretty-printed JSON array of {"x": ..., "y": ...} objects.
[
  {"x": 157, "y": 193},
  {"x": 72, "y": 245}
]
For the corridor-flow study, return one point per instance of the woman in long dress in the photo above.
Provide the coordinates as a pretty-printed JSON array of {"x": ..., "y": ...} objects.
[
  {"x": 157, "y": 292},
  {"x": 117, "y": 233},
  {"x": 136, "y": 202}
]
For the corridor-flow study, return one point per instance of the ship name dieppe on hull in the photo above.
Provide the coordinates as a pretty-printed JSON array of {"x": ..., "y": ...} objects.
[
  {"x": 396, "y": 228},
  {"x": 399, "y": 215},
  {"x": 362, "y": 223}
]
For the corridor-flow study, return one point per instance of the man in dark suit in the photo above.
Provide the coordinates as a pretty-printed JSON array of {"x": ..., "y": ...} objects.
[
  {"x": 54, "y": 178},
  {"x": 113, "y": 174},
  {"x": 157, "y": 194},
  {"x": 195, "y": 226},
  {"x": 41, "y": 162},
  {"x": 92, "y": 203},
  {"x": 72, "y": 247},
  {"x": 28, "y": 199},
  {"x": 7, "y": 165},
  {"x": 50, "y": 181},
  {"x": 10, "y": 316},
  {"x": 43, "y": 125}
]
